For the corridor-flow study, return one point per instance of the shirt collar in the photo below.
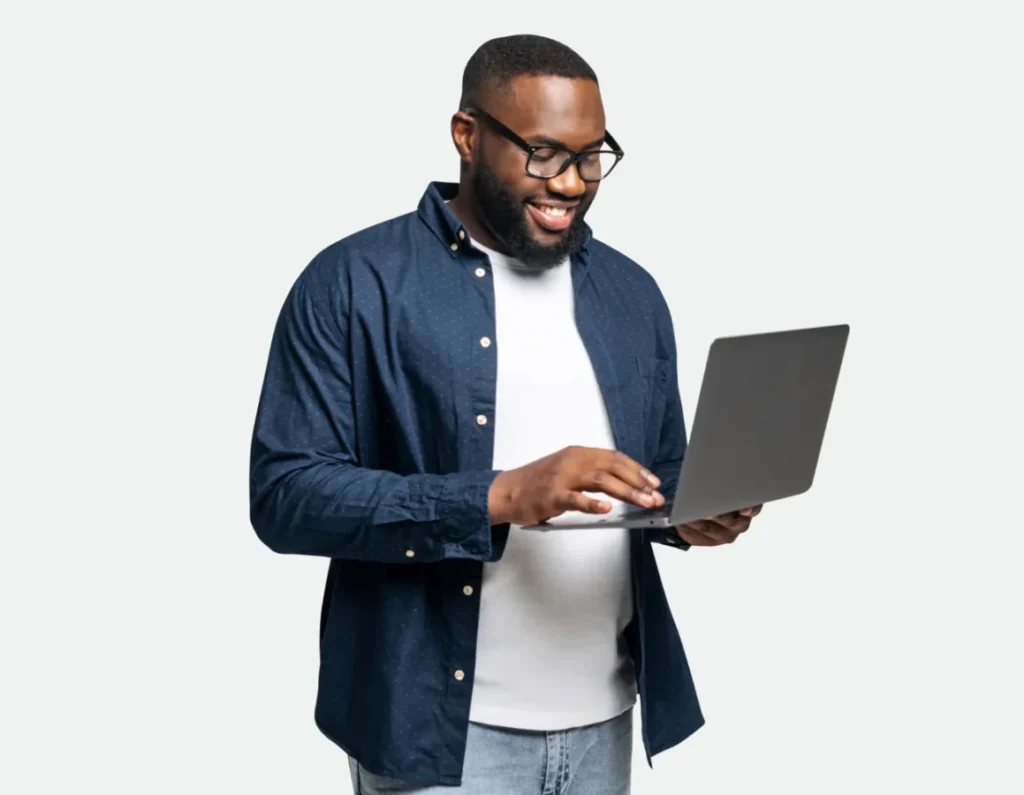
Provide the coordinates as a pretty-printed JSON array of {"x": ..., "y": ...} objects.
[{"x": 449, "y": 230}]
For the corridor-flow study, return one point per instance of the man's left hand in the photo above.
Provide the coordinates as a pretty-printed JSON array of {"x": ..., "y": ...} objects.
[{"x": 722, "y": 529}]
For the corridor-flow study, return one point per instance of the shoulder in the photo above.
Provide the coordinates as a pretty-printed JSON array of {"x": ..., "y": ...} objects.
[
  {"x": 617, "y": 267},
  {"x": 383, "y": 244},
  {"x": 364, "y": 256},
  {"x": 632, "y": 284}
]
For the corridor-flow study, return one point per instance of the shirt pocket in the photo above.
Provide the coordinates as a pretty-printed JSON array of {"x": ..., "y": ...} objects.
[{"x": 655, "y": 378}]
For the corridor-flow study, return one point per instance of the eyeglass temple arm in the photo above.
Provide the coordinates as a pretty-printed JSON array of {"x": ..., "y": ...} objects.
[
  {"x": 612, "y": 142},
  {"x": 511, "y": 134}
]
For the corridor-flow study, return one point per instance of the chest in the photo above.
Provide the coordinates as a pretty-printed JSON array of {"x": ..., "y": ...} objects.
[
  {"x": 538, "y": 344},
  {"x": 434, "y": 349},
  {"x": 548, "y": 395}
]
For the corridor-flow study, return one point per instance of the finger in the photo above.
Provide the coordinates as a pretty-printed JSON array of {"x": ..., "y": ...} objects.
[
  {"x": 575, "y": 501},
  {"x": 712, "y": 529},
  {"x": 735, "y": 522},
  {"x": 694, "y": 537},
  {"x": 628, "y": 471},
  {"x": 608, "y": 483},
  {"x": 751, "y": 512},
  {"x": 725, "y": 520}
]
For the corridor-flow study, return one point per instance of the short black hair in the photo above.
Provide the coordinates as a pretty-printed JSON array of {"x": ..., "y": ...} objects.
[{"x": 496, "y": 62}]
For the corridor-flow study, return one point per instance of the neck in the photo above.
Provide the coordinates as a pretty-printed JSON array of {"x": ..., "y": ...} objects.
[{"x": 463, "y": 206}]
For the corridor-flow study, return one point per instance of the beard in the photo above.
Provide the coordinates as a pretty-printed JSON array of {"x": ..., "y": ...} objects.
[{"x": 505, "y": 217}]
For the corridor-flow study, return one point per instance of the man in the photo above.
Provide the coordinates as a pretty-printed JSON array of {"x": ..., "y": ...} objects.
[{"x": 435, "y": 383}]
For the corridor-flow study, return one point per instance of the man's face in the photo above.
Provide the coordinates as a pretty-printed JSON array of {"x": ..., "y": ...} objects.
[{"x": 539, "y": 221}]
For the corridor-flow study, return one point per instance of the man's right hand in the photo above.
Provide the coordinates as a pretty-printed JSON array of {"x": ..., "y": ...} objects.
[{"x": 556, "y": 483}]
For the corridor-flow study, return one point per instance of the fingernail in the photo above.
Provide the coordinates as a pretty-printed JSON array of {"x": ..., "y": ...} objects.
[
  {"x": 659, "y": 499},
  {"x": 646, "y": 499}
]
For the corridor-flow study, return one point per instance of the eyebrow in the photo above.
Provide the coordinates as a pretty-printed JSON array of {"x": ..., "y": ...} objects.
[{"x": 543, "y": 140}]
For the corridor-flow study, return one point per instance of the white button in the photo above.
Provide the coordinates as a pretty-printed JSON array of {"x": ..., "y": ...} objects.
[
  {"x": 455, "y": 246},
  {"x": 485, "y": 342},
  {"x": 481, "y": 419},
  {"x": 480, "y": 272},
  {"x": 460, "y": 675},
  {"x": 410, "y": 553},
  {"x": 468, "y": 590},
  {"x": 462, "y": 235}
]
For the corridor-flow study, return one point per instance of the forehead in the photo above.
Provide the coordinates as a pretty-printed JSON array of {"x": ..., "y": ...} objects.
[{"x": 567, "y": 109}]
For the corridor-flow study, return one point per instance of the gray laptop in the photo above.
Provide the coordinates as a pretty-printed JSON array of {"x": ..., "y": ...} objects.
[{"x": 757, "y": 430}]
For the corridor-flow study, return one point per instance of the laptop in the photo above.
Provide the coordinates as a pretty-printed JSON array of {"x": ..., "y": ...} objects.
[{"x": 757, "y": 431}]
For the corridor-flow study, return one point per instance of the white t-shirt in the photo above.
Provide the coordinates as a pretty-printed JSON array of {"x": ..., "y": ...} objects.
[{"x": 550, "y": 652}]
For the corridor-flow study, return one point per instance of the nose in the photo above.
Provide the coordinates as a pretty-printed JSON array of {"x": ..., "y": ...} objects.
[{"x": 568, "y": 183}]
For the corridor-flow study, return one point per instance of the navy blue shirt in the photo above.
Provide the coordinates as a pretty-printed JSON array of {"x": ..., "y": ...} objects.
[{"x": 373, "y": 447}]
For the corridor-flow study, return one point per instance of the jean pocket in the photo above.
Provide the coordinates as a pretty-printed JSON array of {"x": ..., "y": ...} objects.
[{"x": 367, "y": 783}]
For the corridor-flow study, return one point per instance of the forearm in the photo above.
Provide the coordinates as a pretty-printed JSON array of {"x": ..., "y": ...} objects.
[
  {"x": 309, "y": 492},
  {"x": 339, "y": 510}
]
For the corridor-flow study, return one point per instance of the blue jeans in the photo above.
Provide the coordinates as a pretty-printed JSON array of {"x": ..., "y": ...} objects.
[{"x": 593, "y": 760}]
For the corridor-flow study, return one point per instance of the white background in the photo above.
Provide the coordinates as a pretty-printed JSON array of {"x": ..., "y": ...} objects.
[{"x": 169, "y": 168}]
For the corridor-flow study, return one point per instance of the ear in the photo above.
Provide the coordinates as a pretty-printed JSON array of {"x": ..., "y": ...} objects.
[{"x": 464, "y": 135}]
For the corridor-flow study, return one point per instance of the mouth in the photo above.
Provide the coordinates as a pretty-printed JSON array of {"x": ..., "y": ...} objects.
[{"x": 551, "y": 217}]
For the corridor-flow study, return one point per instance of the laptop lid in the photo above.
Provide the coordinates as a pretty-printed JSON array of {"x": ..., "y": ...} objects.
[{"x": 760, "y": 420}]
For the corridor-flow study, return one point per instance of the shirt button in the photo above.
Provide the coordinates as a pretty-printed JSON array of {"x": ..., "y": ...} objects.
[
  {"x": 409, "y": 553},
  {"x": 462, "y": 235},
  {"x": 481, "y": 419},
  {"x": 460, "y": 675},
  {"x": 468, "y": 590},
  {"x": 485, "y": 342},
  {"x": 480, "y": 273},
  {"x": 455, "y": 246}
]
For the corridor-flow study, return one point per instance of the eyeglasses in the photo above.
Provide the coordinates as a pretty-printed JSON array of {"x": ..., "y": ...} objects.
[{"x": 547, "y": 161}]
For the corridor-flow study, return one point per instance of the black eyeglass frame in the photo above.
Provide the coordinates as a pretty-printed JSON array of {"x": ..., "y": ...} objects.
[{"x": 529, "y": 148}]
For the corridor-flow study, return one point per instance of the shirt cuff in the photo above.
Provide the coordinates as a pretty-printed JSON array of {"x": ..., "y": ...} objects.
[
  {"x": 465, "y": 514},
  {"x": 668, "y": 537}
]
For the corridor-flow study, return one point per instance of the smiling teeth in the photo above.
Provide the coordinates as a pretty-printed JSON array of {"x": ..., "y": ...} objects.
[{"x": 554, "y": 212}]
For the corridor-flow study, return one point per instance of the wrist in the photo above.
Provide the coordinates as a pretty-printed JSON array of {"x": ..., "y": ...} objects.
[{"x": 499, "y": 500}]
